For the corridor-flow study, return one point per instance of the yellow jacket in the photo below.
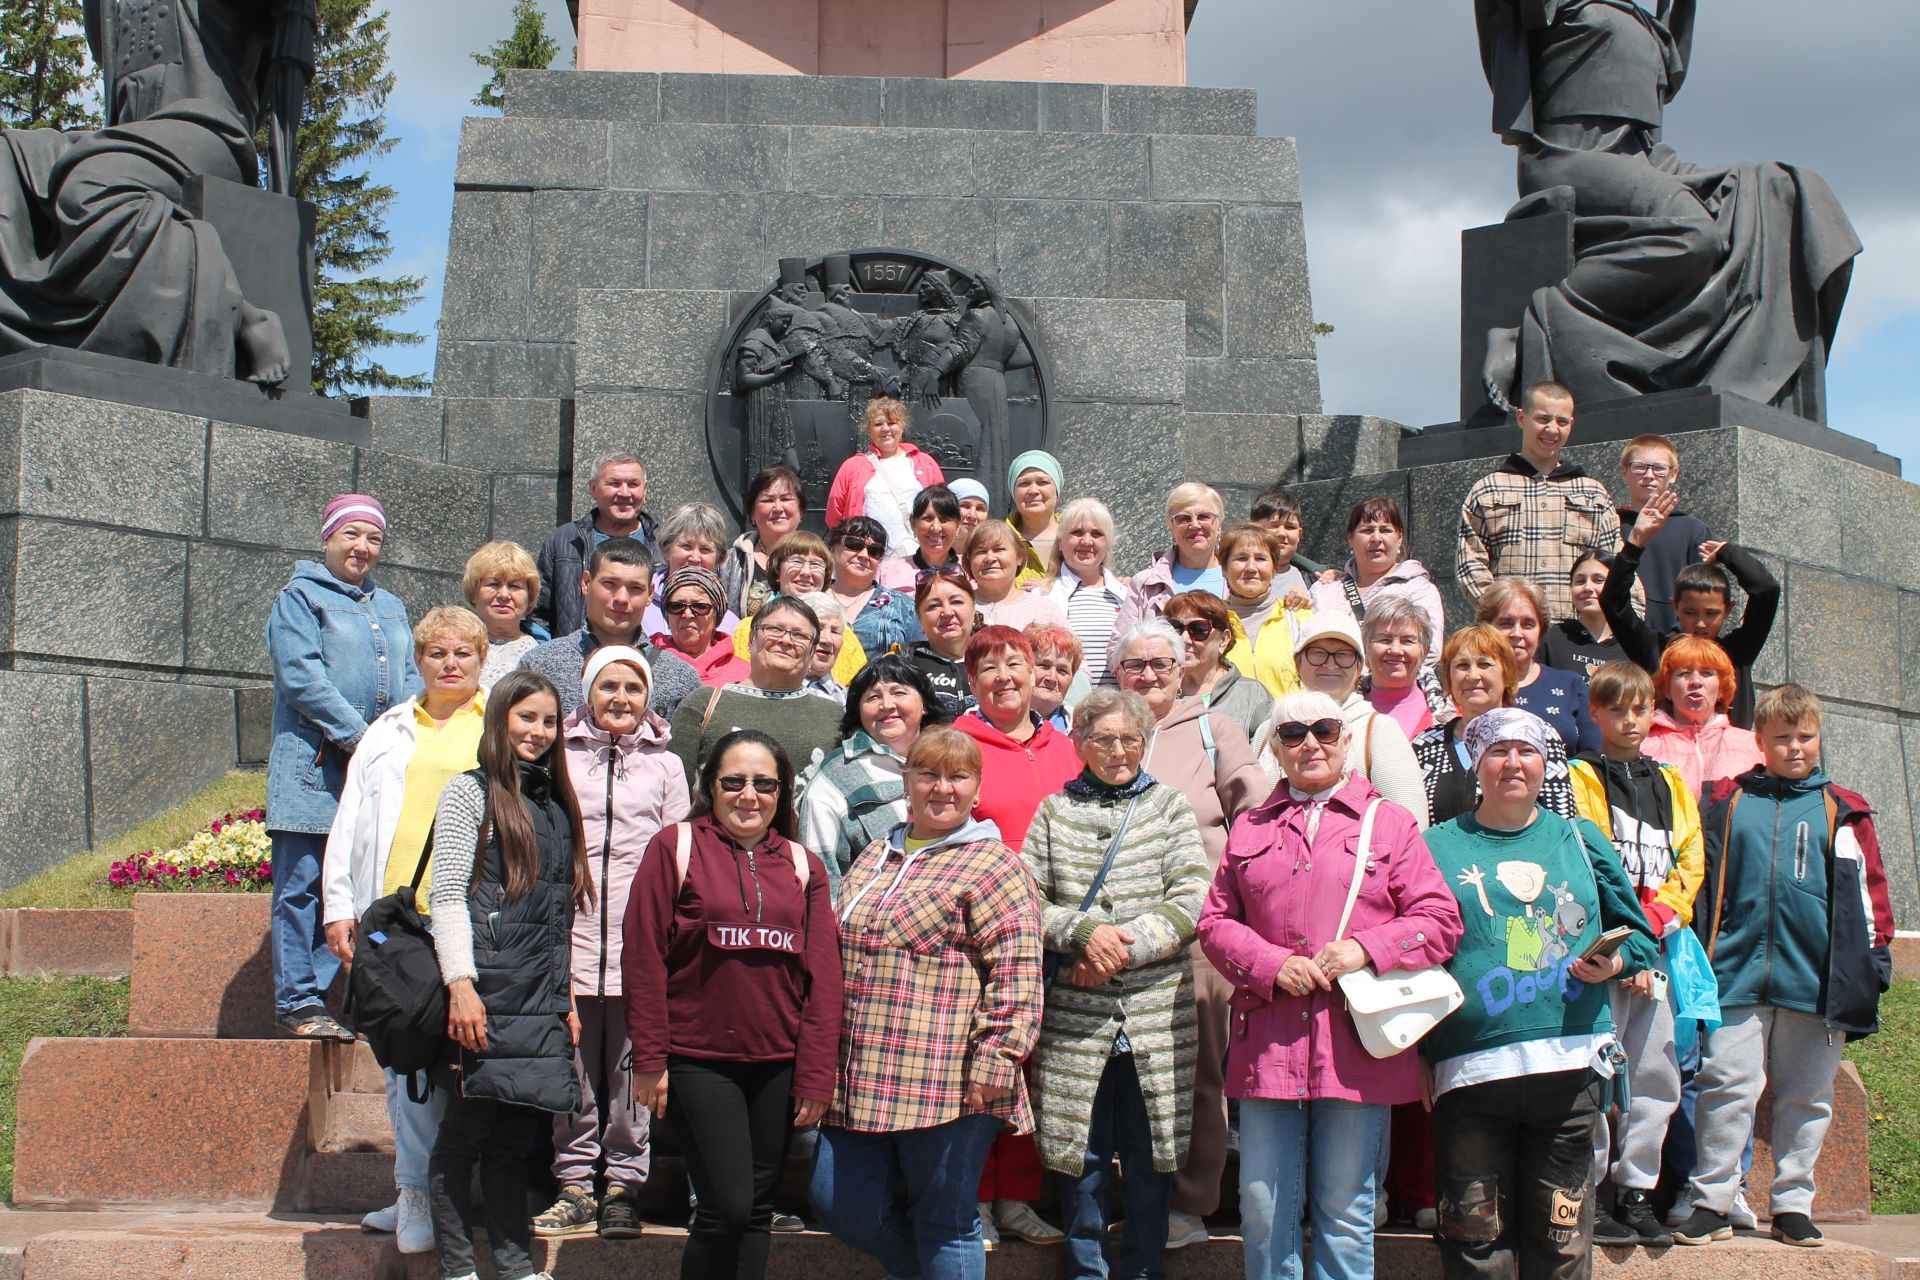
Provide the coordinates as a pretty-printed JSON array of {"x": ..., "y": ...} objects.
[
  {"x": 1689, "y": 870},
  {"x": 1268, "y": 657}
]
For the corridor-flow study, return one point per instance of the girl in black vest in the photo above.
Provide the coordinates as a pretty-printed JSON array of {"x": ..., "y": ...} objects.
[{"x": 509, "y": 869}]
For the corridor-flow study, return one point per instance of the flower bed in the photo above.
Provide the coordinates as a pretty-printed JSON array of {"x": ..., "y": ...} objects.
[{"x": 232, "y": 855}]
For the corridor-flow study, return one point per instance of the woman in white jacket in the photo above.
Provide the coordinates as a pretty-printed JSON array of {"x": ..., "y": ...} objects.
[{"x": 402, "y": 762}]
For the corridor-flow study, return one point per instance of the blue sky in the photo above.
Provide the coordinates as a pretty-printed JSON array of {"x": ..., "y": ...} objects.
[{"x": 1387, "y": 101}]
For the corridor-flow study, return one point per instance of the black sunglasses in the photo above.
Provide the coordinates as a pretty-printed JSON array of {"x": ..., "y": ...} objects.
[
  {"x": 1198, "y": 630},
  {"x": 1294, "y": 732},
  {"x": 698, "y": 608},
  {"x": 734, "y": 783},
  {"x": 864, "y": 546}
]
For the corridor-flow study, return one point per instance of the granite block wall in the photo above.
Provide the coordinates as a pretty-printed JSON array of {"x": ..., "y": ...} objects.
[
  {"x": 140, "y": 552},
  {"x": 609, "y": 225},
  {"x": 1836, "y": 533}
]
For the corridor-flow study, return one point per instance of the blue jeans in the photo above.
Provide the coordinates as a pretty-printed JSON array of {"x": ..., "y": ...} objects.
[
  {"x": 1319, "y": 1155},
  {"x": 1120, "y": 1127},
  {"x": 303, "y": 968},
  {"x": 937, "y": 1234},
  {"x": 415, "y": 1126}
]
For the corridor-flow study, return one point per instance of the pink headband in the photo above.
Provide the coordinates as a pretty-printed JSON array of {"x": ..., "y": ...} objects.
[{"x": 351, "y": 506}]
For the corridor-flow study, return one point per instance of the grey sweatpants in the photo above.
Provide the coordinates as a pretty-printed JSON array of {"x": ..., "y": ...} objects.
[
  {"x": 1632, "y": 1143},
  {"x": 1753, "y": 1047},
  {"x": 608, "y": 1132}
]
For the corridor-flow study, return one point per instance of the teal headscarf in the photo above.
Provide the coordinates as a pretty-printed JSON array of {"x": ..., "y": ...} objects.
[{"x": 1035, "y": 460}]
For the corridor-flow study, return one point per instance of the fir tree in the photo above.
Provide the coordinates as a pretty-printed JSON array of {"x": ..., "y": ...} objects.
[
  {"x": 46, "y": 75},
  {"x": 344, "y": 127},
  {"x": 529, "y": 48}
]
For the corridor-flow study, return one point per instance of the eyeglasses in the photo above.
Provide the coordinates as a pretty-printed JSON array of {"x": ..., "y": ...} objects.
[
  {"x": 1205, "y": 519},
  {"x": 1650, "y": 468},
  {"x": 1320, "y": 656},
  {"x": 698, "y": 608},
  {"x": 792, "y": 635},
  {"x": 804, "y": 564},
  {"x": 1198, "y": 630},
  {"x": 1139, "y": 666},
  {"x": 734, "y": 783},
  {"x": 864, "y": 547},
  {"x": 1294, "y": 732},
  {"x": 1117, "y": 742}
]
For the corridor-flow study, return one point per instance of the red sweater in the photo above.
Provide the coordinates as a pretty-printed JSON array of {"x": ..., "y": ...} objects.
[
  {"x": 736, "y": 964},
  {"x": 1016, "y": 776}
]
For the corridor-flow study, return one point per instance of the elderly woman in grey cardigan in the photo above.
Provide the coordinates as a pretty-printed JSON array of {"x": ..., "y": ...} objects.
[{"x": 1113, "y": 1072}]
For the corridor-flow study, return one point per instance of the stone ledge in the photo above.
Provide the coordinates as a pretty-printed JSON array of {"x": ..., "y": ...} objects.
[
  {"x": 93, "y": 943},
  {"x": 227, "y": 992}
]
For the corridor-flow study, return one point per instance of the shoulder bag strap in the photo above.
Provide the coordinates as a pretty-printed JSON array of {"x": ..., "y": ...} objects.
[
  {"x": 1206, "y": 741},
  {"x": 1362, "y": 857},
  {"x": 1354, "y": 601},
  {"x": 426, "y": 855},
  {"x": 712, "y": 702},
  {"x": 1366, "y": 748},
  {"x": 1720, "y": 882},
  {"x": 682, "y": 853},
  {"x": 1113, "y": 850}
]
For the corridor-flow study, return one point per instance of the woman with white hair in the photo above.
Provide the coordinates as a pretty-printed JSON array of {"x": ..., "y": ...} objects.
[
  {"x": 1084, "y": 584},
  {"x": 1121, "y": 872},
  {"x": 1278, "y": 923},
  {"x": 1202, "y": 754},
  {"x": 1196, "y": 516}
]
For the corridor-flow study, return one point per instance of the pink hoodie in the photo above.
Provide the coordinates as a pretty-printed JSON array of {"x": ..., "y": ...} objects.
[{"x": 1702, "y": 753}]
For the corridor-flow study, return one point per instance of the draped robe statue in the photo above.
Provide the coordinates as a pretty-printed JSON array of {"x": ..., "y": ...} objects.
[
  {"x": 1684, "y": 275},
  {"x": 96, "y": 250}
]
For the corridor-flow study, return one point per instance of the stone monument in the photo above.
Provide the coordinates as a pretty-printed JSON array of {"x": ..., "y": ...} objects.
[{"x": 794, "y": 373}]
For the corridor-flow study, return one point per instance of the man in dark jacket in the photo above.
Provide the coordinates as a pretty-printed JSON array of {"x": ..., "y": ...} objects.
[
  {"x": 618, "y": 488},
  {"x": 1796, "y": 919}
]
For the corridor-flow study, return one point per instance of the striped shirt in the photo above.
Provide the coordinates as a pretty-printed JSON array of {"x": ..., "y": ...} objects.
[{"x": 1090, "y": 614}]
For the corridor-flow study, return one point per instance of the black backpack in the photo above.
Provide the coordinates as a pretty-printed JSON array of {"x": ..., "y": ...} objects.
[{"x": 395, "y": 995}]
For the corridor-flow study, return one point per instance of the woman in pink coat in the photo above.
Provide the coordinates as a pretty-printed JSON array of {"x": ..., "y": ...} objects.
[
  {"x": 883, "y": 479},
  {"x": 1311, "y": 1096}
]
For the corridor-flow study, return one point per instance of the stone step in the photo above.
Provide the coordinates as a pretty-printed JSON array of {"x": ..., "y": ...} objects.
[
  {"x": 91, "y": 943},
  {"x": 202, "y": 966},
  {"x": 351, "y": 1122},
  {"x": 218, "y": 1246}
]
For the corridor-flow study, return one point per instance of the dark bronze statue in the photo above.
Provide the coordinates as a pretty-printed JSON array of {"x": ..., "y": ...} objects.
[
  {"x": 96, "y": 250},
  {"x": 987, "y": 343},
  {"x": 1684, "y": 275}
]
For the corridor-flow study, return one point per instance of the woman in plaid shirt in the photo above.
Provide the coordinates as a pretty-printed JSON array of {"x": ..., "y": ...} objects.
[{"x": 940, "y": 942}]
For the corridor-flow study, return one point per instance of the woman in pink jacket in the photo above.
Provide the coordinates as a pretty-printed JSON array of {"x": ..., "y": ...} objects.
[
  {"x": 1691, "y": 731},
  {"x": 1311, "y": 1096},
  {"x": 882, "y": 480},
  {"x": 629, "y": 787}
]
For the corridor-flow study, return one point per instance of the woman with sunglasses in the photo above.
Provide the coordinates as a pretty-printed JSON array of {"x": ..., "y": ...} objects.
[
  {"x": 1202, "y": 619},
  {"x": 880, "y": 616},
  {"x": 943, "y": 603},
  {"x": 1311, "y": 1096},
  {"x": 940, "y": 944},
  {"x": 993, "y": 560},
  {"x": 1196, "y": 514},
  {"x": 692, "y": 603},
  {"x": 936, "y": 527},
  {"x": 1331, "y": 661},
  {"x": 773, "y": 699},
  {"x": 732, "y": 971},
  {"x": 1203, "y": 755}
]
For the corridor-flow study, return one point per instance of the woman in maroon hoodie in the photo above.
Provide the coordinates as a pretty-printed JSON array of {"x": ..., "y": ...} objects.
[{"x": 732, "y": 973}]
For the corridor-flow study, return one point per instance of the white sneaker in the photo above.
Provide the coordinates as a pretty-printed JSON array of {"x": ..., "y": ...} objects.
[
  {"x": 1381, "y": 1215},
  {"x": 382, "y": 1220},
  {"x": 989, "y": 1234},
  {"x": 1425, "y": 1219},
  {"x": 414, "y": 1228},
  {"x": 1741, "y": 1216},
  {"x": 1184, "y": 1229},
  {"x": 1016, "y": 1217}
]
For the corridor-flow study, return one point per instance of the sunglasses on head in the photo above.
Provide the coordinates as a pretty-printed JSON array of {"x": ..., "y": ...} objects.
[
  {"x": 864, "y": 546},
  {"x": 1198, "y": 630},
  {"x": 1294, "y": 732},
  {"x": 734, "y": 783},
  {"x": 925, "y": 576}
]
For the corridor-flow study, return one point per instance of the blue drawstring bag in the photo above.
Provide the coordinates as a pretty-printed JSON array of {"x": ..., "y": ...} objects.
[{"x": 1691, "y": 987}]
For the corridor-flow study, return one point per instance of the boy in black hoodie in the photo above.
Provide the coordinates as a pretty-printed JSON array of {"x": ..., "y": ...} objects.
[{"x": 1650, "y": 466}]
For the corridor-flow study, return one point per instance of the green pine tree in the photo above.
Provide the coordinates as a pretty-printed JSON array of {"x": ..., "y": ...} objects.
[
  {"x": 344, "y": 127},
  {"x": 529, "y": 48},
  {"x": 47, "y": 77}
]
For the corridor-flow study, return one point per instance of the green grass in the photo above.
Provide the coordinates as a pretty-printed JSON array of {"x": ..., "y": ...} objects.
[
  {"x": 32, "y": 1007},
  {"x": 71, "y": 883},
  {"x": 1891, "y": 1070}
]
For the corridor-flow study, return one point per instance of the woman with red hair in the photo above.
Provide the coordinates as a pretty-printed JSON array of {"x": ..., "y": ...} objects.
[{"x": 1691, "y": 731}]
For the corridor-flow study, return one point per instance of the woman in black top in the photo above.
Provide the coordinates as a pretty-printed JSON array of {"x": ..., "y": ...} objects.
[
  {"x": 1582, "y": 643},
  {"x": 944, "y": 604}
]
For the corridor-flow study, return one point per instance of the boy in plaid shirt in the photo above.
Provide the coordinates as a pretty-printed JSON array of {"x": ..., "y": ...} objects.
[{"x": 1534, "y": 517}]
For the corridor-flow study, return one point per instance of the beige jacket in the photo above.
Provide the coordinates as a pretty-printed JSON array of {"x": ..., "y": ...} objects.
[{"x": 1219, "y": 782}]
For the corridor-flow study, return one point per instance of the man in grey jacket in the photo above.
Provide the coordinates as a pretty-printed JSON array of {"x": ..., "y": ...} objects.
[
  {"x": 618, "y": 487},
  {"x": 614, "y": 591}
]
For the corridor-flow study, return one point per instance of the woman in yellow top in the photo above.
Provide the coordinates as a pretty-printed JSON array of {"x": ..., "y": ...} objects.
[
  {"x": 402, "y": 763},
  {"x": 1264, "y": 613},
  {"x": 1034, "y": 481},
  {"x": 801, "y": 564}
]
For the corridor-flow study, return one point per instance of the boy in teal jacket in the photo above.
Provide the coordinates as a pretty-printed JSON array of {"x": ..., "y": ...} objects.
[{"x": 1795, "y": 916}]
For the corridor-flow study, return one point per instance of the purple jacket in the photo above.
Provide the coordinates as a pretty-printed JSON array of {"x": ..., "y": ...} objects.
[{"x": 1273, "y": 897}]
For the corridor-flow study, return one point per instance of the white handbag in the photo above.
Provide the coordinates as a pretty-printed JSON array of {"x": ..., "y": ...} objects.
[{"x": 1391, "y": 1011}]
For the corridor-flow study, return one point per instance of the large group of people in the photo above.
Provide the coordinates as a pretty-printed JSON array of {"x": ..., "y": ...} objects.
[{"x": 997, "y": 879}]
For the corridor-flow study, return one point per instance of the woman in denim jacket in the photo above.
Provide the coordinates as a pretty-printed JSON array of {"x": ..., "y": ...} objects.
[{"x": 342, "y": 653}]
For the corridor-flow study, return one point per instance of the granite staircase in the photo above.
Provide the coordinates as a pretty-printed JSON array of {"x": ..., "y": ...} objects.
[{"x": 201, "y": 1147}]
